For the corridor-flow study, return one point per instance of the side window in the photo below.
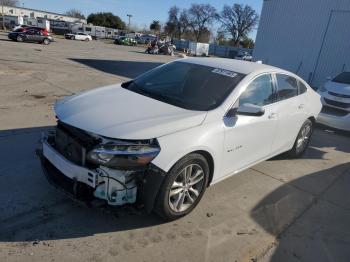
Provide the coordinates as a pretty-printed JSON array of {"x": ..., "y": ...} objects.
[
  {"x": 259, "y": 92},
  {"x": 302, "y": 88},
  {"x": 287, "y": 87}
]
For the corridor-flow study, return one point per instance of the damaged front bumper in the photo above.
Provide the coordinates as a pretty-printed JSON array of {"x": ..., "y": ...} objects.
[{"x": 117, "y": 187}]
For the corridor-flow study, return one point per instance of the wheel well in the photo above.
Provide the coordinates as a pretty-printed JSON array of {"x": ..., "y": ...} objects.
[
  {"x": 313, "y": 119},
  {"x": 210, "y": 161}
]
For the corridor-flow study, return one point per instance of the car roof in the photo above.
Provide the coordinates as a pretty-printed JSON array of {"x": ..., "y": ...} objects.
[{"x": 238, "y": 66}]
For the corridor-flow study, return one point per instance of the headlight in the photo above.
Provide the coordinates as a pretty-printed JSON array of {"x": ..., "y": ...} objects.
[{"x": 124, "y": 154}]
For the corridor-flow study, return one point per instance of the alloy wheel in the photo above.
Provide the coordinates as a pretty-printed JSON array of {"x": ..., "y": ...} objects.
[
  {"x": 303, "y": 138},
  {"x": 186, "y": 188}
]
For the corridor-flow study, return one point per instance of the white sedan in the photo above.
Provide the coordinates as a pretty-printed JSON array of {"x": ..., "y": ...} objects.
[
  {"x": 336, "y": 102},
  {"x": 79, "y": 36},
  {"x": 161, "y": 139}
]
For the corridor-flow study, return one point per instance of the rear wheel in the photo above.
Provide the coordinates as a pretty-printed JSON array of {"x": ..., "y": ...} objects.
[
  {"x": 72, "y": 37},
  {"x": 19, "y": 38},
  {"x": 183, "y": 187},
  {"x": 303, "y": 139}
]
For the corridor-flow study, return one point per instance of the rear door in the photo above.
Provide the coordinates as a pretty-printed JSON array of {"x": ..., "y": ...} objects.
[
  {"x": 30, "y": 35},
  {"x": 291, "y": 106}
]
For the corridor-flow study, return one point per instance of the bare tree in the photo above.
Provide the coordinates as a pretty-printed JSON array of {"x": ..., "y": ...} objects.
[
  {"x": 238, "y": 20},
  {"x": 200, "y": 17},
  {"x": 75, "y": 13},
  {"x": 184, "y": 23},
  {"x": 9, "y": 2}
]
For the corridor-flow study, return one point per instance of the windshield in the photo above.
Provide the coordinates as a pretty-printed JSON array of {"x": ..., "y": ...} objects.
[
  {"x": 343, "y": 78},
  {"x": 186, "y": 85}
]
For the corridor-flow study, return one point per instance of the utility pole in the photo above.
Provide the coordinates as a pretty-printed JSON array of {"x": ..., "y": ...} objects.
[
  {"x": 3, "y": 15},
  {"x": 129, "y": 16}
]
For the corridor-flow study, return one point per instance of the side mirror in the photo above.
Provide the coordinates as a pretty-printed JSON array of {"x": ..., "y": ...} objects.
[{"x": 250, "y": 110}]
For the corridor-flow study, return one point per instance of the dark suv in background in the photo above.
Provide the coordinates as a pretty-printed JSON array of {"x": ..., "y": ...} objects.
[{"x": 31, "y": 34}]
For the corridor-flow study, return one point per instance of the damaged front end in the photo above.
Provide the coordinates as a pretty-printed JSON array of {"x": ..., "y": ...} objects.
[{"x": 88, "y": 166}]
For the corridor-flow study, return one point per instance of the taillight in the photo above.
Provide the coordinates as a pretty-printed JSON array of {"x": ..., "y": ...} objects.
[{"x": 45, "y": 32}]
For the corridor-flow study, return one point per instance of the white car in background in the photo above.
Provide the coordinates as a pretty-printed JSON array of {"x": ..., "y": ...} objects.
[
  {"x": 161, "y": 139},
  {"x": 336, "y": 102},
  {"x": 79, "y": 36}
]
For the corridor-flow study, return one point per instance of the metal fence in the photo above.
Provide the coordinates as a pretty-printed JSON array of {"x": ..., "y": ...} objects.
[{"x": 214, "y": 49}]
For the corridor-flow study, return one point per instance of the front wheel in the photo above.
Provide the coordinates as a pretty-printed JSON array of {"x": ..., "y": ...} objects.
[
  {"x": 19, "y": 38},
  {"x": 303, "y": 139},
  {"x": 183, "y": 187},
  {"x": 46, "y": 41}
]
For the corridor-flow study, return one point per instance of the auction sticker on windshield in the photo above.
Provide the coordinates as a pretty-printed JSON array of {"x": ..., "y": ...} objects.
[{"x": 224, "y": 72}]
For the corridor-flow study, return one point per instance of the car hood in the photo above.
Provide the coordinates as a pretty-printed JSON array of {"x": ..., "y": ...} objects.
[
  {"x": 115, "y": 112},
  {"x": 338, "y": 88}
]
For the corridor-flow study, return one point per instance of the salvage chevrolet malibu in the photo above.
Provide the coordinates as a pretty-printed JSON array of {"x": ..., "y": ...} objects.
[{"x": 160, "y": 140}]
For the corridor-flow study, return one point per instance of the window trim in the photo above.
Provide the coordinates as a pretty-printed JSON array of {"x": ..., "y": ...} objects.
[
  {"x": 276, "y": 83},
  {"x": 244, "y": 88}
]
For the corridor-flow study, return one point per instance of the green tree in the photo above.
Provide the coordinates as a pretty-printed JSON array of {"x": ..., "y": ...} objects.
[
  {"x": 107, "y": 20},
  {"x": 155, "y": 26},
  {"x": 247, "y": 43}
]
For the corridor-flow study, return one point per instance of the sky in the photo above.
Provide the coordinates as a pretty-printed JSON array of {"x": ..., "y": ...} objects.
[{"x": 143, "y": 12}]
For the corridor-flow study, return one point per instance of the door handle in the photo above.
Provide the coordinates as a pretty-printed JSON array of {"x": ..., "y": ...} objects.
[
  {"x": 301, "y": 106},
  {"x": 272, "y": 116}
]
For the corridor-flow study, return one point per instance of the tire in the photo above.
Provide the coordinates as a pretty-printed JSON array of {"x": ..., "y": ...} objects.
[
  {"x": 72, "y": 37},
  {"x": 19, "y": 38},
  {"x": 46, "y": 41},
  {"x": 169, "y": 207},
  {"x": 302, "y": 141},
  {"x": 87, "y": 39}
]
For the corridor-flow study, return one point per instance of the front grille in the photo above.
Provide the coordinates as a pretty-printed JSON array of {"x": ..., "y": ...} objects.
[
  {"x": 338, "y": 95},
  {"x": 336, "y": 103},
  {"x": 334, "y": 111},
  {"x": 73, "y": 143}
]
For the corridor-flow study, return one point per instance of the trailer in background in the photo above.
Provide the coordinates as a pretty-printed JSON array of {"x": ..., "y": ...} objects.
[{"x": 198, "y": 49}]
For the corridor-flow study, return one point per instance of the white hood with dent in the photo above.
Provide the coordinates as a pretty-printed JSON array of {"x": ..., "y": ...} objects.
[{"x": 115, "y": 112}]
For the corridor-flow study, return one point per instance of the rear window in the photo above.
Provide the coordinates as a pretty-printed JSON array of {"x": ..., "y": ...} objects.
[{"x": 343, "y": 78}]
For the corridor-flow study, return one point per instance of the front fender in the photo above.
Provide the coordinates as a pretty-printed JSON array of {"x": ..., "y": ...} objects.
[{"x": 207, "y": 137}]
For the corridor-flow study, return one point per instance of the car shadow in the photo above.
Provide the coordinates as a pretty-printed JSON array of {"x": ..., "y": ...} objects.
[
  {"x": 30, "y": 208},
  {"x": 129, "y": 69},
  {"x": 309, "y": 226}
]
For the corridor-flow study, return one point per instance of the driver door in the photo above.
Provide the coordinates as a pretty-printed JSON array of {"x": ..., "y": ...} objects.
[{"x": 249, "y": 138}]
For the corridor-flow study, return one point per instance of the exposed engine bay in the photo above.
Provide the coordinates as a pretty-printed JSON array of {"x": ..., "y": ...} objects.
[{"x": 87, "y": 166}]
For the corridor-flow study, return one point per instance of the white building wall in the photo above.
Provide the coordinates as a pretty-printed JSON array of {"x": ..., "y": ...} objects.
[
  {"x": 296, "y": 35},
  {"x": 32, "y": 13}
]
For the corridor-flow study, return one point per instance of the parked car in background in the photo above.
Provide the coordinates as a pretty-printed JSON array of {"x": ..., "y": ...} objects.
[
  {"x": 164, "y": 137},
  {"x": 122, "y": 40},
  {"x": 244, "y": 56},
  {"x": 79, "y": 36},
  {"x": 336, "y": 102},
  {"x": 31, "y": 34}
]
